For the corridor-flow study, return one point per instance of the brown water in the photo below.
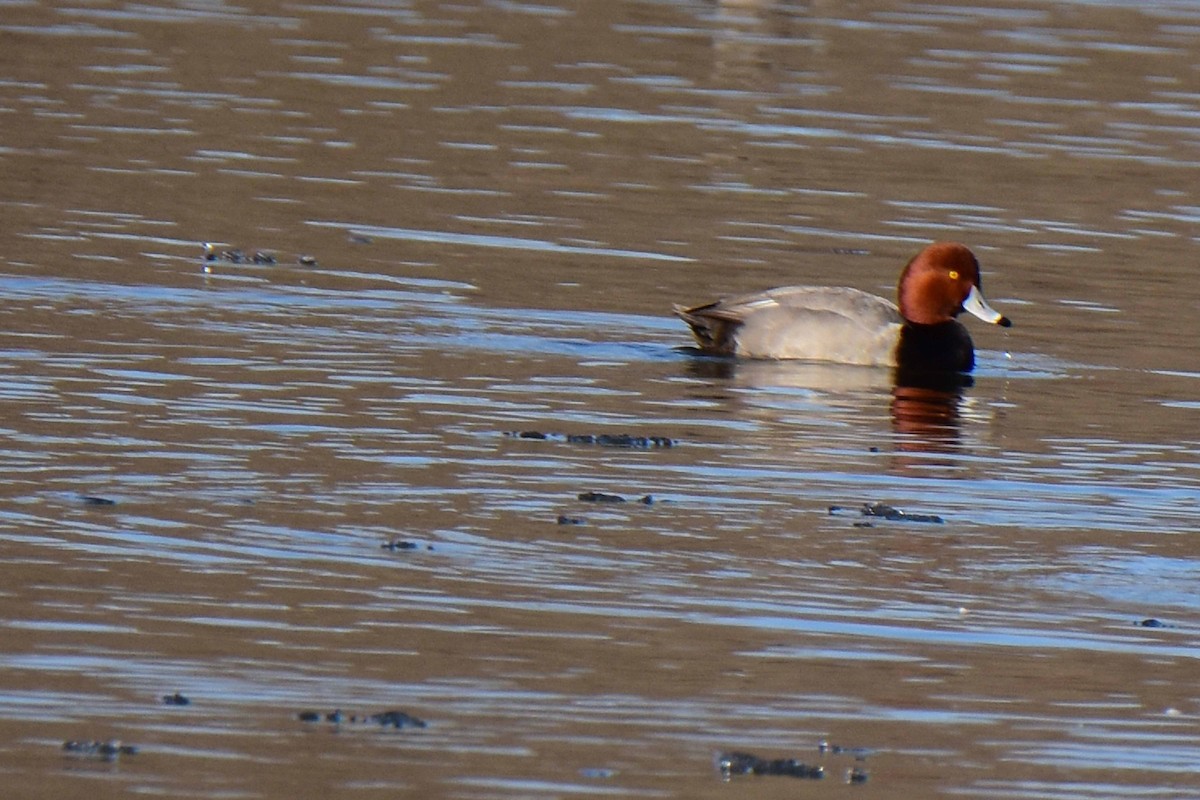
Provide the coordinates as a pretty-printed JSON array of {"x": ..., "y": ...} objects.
[{"x": 503, "y": 200}]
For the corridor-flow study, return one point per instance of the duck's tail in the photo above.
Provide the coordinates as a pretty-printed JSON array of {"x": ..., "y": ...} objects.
[{"x": 714, "y": 330}]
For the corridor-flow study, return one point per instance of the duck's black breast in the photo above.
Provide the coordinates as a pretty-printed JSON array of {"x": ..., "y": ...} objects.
[{"x": 944, "y": 347}]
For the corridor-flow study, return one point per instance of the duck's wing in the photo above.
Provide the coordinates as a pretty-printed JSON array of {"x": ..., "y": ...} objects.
[{"x": 815, "y": 322}]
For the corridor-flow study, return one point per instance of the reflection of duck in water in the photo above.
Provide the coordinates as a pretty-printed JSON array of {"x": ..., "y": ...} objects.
[{"x": 849, "y": 326}]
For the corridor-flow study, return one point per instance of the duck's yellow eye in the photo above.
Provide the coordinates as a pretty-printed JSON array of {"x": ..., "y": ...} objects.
[{"x": 953, "y": 274}]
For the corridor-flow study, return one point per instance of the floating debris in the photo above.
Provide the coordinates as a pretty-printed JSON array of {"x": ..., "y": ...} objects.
[
  {"x": 109, "y": 750},
  {"x": 307, "y": 261},
  {"x": 399, "y": 544},
  {"x": 1151, "y": 623},
  {"x": 860, "y": 753},
  {"x": 385, "y": 719},
  {"x": 96, "y": 500},
  {"x": 397, "y": 719},
  {"x": 730, "y": 764},
  {"x": 625, "y": 440},
  {"x": 176, "y": 700},
  {"x": 563, "y": 519},
  {"x": 734, "y": 762},
  {"x": 600, "y": 497},
  {"x": 236, "y": 256},
  {"x": 621, "y": 440},
  {"x": 890, "y": 513}
]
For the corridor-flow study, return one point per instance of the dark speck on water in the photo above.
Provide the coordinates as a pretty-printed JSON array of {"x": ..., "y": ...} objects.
[
  {"x": 601, "y": 439},
  {"x": 600, "y": 497},
  {"x": 621, "y": 440},
  {"x": 857, "y": 774},
  {"x": 884, "y": 511},
  {"x": 730, "y": 764},
  {"x": 400, "y": 544},
  {"x": 385, "y": 719},
  {"x": 824, "y": 746},
  {"x": 108, "y": 750},
  {"x": 397, "y": 719}
]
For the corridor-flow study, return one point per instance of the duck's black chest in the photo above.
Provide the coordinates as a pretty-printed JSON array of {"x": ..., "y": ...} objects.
[{"x": 944, "y": 347}]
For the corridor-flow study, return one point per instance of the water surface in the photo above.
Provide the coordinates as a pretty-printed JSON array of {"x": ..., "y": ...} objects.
[{"x": 479, "y": 216}]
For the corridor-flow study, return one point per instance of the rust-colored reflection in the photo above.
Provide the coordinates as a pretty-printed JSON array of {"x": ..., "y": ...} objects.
[{"x": 925, "y": 411}]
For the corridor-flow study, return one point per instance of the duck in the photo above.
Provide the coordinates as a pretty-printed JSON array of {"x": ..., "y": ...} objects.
[{"x": 849, "y": 326}]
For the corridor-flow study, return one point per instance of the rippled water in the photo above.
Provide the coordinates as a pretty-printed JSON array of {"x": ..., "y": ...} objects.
[{"x": 479, "y": 215}]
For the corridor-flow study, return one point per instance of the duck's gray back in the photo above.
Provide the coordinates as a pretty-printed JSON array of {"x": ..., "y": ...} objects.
[{"x": 819, "y": 323}]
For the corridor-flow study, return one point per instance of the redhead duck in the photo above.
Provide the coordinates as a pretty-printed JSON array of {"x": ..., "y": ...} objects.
[{"x": 849, "y": 326}]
